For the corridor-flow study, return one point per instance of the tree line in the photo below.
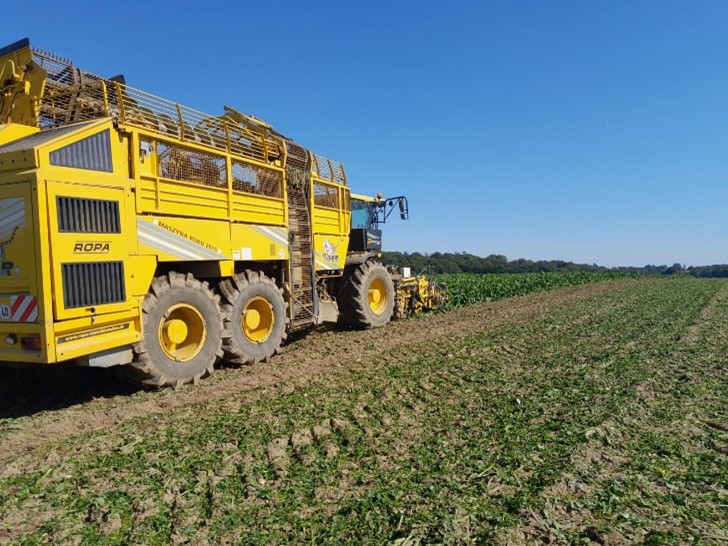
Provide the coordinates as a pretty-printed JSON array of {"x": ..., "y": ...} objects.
[{"x": 462, "y": 262}]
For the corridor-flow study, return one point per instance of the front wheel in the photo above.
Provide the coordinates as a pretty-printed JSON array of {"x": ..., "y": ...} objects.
[{"x": 366, "y": 299}]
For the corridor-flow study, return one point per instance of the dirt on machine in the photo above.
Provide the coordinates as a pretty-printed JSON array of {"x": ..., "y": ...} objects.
[{"x": 138, "y": 232}]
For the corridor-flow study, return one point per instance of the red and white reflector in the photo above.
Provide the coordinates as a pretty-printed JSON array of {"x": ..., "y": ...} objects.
[{"x": 23, "y": 308}]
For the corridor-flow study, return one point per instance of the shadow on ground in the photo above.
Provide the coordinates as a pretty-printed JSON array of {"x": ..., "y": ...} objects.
[{"x": 27, "y": 391}]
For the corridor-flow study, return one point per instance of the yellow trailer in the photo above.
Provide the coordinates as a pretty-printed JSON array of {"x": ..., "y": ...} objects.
[{"x": 137, "y": 231}]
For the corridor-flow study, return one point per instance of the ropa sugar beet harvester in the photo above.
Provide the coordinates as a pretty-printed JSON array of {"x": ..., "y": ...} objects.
[{"x": 136, "y": 231}]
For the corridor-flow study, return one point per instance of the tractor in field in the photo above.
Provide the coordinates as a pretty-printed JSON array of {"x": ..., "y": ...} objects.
[{"x": 136, "y": 231}]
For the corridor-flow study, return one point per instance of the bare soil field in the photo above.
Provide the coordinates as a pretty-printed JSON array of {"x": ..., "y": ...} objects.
[{"x": 593, "y": 414}]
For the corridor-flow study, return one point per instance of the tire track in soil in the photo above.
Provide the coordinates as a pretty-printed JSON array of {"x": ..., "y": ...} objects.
[
  {"x": 692, "y": 334},
  {"x": 314, "y": 358}
]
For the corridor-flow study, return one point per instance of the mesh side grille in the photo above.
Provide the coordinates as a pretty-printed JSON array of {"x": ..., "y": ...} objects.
[
  {"x": 78, "y": 215},
  {"x": 92, "y": 153},
  {"x": 92, "y": 283},
  {"x": 258, "y": 180},
  {"x": 182, "y": 163},
  {"x": 325, "y": 196}
]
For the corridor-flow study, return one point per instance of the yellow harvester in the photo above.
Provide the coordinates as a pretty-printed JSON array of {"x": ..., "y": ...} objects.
[{"x": 136, "y": 231}]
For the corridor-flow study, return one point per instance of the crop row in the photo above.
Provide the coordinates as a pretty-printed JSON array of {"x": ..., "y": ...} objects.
[{"x": 469, "y": 288}]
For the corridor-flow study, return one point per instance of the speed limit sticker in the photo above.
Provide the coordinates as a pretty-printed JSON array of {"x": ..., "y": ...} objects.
[{"x": 4, "y": 312}]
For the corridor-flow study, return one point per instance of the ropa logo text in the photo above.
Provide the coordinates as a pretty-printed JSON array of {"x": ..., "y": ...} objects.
[{"x": 91, "y": 248}]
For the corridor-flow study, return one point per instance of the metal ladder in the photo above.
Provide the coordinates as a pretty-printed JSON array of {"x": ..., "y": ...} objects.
[{"x": 303, "y": 289}]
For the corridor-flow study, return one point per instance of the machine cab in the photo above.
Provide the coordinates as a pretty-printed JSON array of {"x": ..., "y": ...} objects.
[{"x": 367, "y": 213}]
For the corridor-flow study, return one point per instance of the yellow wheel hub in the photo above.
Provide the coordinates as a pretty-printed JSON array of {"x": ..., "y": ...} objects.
[
  {"x": 176, "y": 331},
  {"x": 258, "y": 319},
  {"x": 182, "y": 332},
  {"x": 377, "y": 296}
]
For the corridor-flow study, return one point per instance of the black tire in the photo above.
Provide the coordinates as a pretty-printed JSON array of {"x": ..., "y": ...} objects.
[
  {"x": 355, "y": 308},
  {"x": 170, "y": 294},
  {"x": 241, "y": 293}
]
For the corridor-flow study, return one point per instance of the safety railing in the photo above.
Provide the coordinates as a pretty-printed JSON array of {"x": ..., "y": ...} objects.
[
  {"x": 73, "y": 95},
  {"x": 328, "y": 169},
  {"x": 62, "y": 105}
]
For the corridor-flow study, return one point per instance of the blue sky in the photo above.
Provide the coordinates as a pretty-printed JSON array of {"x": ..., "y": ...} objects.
[{"x": 588, "y": 131}]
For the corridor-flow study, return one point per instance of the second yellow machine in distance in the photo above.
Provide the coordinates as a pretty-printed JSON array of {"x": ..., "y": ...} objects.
[{"x": 137, "y": 231}]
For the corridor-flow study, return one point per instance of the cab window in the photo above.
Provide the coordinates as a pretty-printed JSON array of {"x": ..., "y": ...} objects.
[{"x": 361, "y": 214}]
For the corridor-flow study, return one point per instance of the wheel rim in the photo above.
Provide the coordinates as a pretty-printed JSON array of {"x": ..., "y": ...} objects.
[
  {"x": 182, "y": 332},
  {"x": 377, "y": 296},
  {"x": 257, "y": 319}
]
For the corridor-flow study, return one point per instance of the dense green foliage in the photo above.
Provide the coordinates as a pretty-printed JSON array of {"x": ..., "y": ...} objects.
[
  {"x": 466, "y": 289},
  {"x": 462, "y": 262},
  {"x": 708, "y": 271},
  {"x": 448, "y": 262}
]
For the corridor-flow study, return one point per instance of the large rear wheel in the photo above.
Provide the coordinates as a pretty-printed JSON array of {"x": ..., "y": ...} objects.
[
  {"x": 366, "y": 298},
  {"x": 181, "y": 332},
  {"x": 254, "y": 317}
]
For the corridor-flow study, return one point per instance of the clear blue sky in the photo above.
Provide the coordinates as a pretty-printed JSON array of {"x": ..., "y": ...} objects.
[{"x": 587, "y": 131}]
